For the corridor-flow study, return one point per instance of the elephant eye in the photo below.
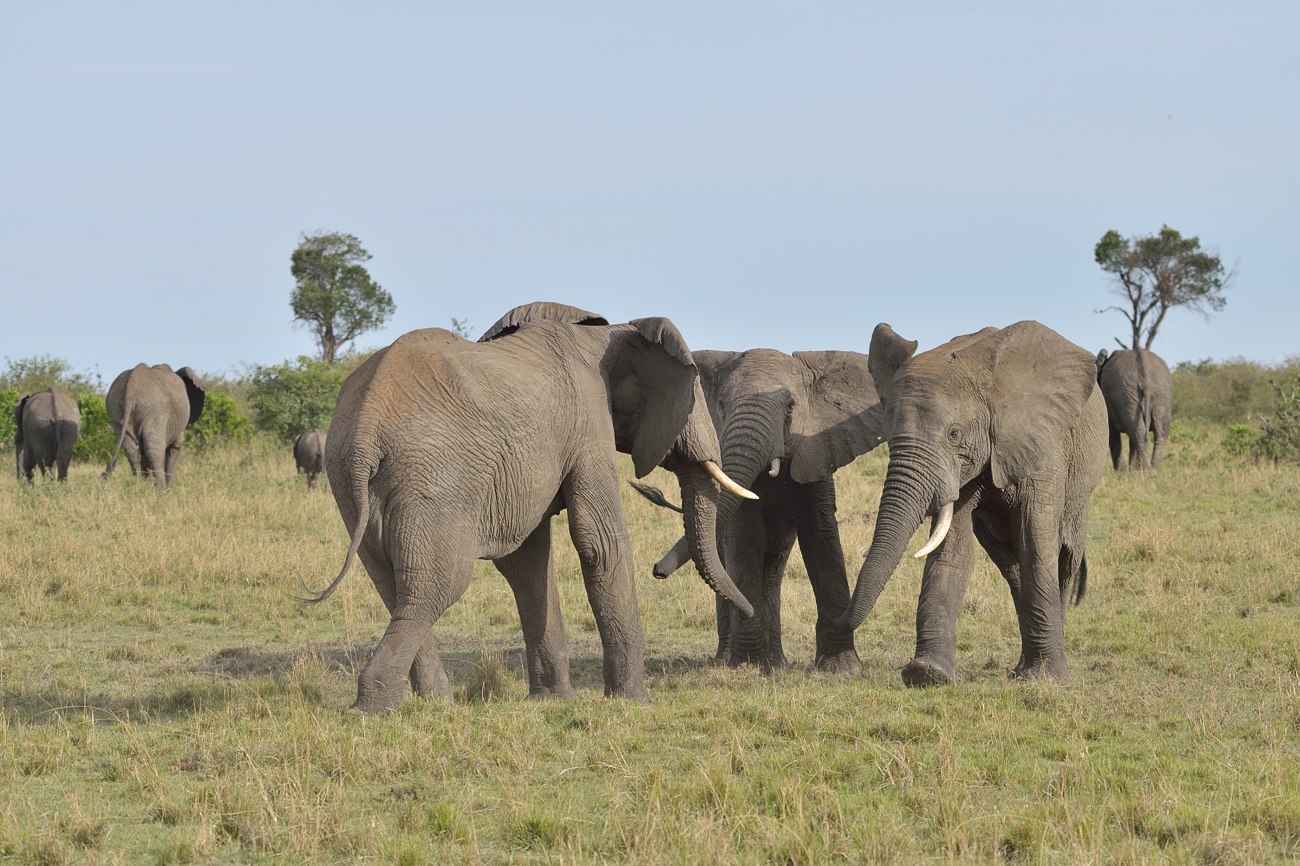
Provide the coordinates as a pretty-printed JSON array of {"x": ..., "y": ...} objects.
[{"x": 954, "y": 435}]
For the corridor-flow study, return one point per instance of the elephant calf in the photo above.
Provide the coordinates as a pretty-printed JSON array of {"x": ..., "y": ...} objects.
[
  {"x": 1139, "y": 392},
  {"x": 309, "y": 454},
  {"x": 47, "y": 425}
]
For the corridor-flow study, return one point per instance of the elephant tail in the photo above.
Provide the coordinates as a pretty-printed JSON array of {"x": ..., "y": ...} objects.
[
  {"x": 655, "y": 495},
  {"x": 126, "y": 425},
  {"x": 361, "y": 496},
  {"x": 1081, "y": 580}
]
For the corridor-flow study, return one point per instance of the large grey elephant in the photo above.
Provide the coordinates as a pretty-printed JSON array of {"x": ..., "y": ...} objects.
[
  {"x": 1139, "y": 392},
  {"x": 46, "y": 426},
  {"x": 443, "y": 451},
  {"x": 786, "y": 423},
  {"x": 149, "y": 409},
  {"x": 1001, "y": 436},
  {"x": 309, "y": 455}
]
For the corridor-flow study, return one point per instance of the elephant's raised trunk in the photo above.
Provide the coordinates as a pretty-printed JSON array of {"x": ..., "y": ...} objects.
[
  {"x": 700, "y": 513},
  {"x": 748, "y": 441},
  {"x": 908, "y": 493}
]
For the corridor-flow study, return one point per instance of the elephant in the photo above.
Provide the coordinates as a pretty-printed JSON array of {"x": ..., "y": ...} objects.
[
  {"x": 786, "y": 423},
  {"x": 149, "y": 409},
  {"x": 1139, "y": 393},
  {"x": 1001, "y": 436},
  {"x": 46, "y": 426},
  {"x": 442, "y": 451},
  {"x": 309, "y": 454}
]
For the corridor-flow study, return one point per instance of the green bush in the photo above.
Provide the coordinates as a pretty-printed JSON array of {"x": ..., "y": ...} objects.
[
  {"x": 1280, "y": 439},
  {"x": 8, "y": 400},
  {"x": 220, "y": 423},
  {"x": 37, "y": 373},
  {"x": 96, "y": 441},
  {"x": 296, "y": 396},
  {"x": 1240, "y": 440},
  {"x": 1222, "y": 392}
]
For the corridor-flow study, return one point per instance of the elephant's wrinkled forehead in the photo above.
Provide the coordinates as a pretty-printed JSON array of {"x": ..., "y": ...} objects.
[{"x": 933, "y": 393}]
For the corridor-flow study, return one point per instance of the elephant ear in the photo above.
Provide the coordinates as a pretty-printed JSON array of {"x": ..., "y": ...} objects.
[
  {"x": 540, "y": 311},
  {"x": 842, "y": 417},
  {"x": 194, "y": 390},
  {"x": 888, "y": 352},
  {"x": 1101, "y": 361},
  {"x": 19, "y": 409},
  {"x": 1039, "y": 383},
  {"x": 655, "y": 391}
]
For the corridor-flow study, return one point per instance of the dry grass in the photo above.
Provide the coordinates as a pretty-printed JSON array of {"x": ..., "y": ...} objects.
[{"x": 166, "y": 701}]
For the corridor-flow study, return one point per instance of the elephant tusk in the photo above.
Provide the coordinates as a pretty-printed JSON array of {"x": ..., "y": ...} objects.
[
  {"x": 721, "y": 477},
  {"x": 775, "y": 468},
  {"x": 938, "y": 531}
]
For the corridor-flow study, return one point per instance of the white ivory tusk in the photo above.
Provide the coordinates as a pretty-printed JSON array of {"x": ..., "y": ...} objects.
[
  {"x": 775, "y": 469},
  {"x": 938, "y": 531},
  {"x": 721, "y": 477}
]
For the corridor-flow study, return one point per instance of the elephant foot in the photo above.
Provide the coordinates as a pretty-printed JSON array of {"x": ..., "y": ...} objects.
[
  {"x": 919, "y": 674},
  {"x": 767, "y": 661},
  {"x": 1041, "y": 669},
  {"x": 377, "y": 696},
  {"x": 548, "y": 693},
  {"x": 429, "y": 679},
  {"x": 840, "y": 662}
]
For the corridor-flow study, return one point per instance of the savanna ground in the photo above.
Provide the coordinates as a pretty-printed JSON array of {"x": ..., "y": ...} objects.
[{"x": 166, "y": 700}]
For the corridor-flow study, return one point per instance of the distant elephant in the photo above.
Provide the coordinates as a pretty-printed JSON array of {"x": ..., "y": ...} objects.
[
  {"x": 46, "y": 426},
  {"x": 1139, "y": 392},
  {"x": 149, "y": 409},
  {"x": 309, "y": 454},
  {"x": 1001, "y": 434},
  {"x": 786, "y": 423},
  {"x": 443, "y": 451}
]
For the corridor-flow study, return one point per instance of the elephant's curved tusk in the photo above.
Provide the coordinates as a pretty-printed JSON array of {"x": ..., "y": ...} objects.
[
  {"x": 775, "y": 469},
  {"x": 721, "y": 477},
  {"x": 938, "y": 532}
]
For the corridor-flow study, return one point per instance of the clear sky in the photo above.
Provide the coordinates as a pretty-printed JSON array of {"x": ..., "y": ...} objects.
[{"x": 779, "y": 175}]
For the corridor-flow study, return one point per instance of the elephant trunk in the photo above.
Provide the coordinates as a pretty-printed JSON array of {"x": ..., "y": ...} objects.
[
  {"x": 749, "y": 442},
  {"x": 700, "y": 513},
  {"x": 909, "y": 493}
]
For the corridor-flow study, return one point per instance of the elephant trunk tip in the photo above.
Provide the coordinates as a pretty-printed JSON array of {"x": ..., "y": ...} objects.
[{"x": 844, "y": 624}]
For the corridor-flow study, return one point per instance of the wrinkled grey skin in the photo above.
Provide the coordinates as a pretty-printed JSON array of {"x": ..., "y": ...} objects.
[
  {"x": 1009, "y": 426},
  {"x": 309, "y": 454},
  {"x": 442, "y": 451},
  {"x": 814, "y": 412},
  {"x": 149, "y": 408},
  {"x": 1139, "y": 392},
  {"x": 46, "y": 426}
]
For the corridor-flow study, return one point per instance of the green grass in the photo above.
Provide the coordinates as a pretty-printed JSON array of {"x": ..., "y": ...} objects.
[{"x": 165, "y": 700}]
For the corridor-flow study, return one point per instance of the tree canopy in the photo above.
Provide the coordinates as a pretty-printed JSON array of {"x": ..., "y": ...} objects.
[
  {"x": 335, "y": 295},
  {"x": 1154, "y": 273}
]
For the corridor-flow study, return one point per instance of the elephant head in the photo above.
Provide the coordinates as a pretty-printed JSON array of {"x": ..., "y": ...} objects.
[
  {"x": 659, "y": 414},
  {"x": 812, "y": 412},
  {"x": 999, "y": 402}
]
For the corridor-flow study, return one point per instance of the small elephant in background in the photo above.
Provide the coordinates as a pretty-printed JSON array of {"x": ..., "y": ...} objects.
[
  {"x": 149, "y": 409},
  {"x": 309, "y": 454},
  {"x": 1000, "y": 436},
  {"x": 47, "y": 425},
  {"x": 785, "y": 423},
  {"x": 1139, "y": 392}
]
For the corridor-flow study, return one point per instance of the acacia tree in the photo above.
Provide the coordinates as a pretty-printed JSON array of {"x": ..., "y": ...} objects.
[
  {"x": 335, "y": 295},
  {"x": 1154, "y": 273}
]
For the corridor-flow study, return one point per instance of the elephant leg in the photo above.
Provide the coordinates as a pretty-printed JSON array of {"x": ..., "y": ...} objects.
[
  {"x": 993, "y": 532},
  {"x": 1116, "y": 449},
  {"x": 1160, "y": 426},
  {"x": 1137, "y": 447},
  {"x": 723, "y": 609},
  {"x": 604, "y": 549},
  {"x": 744, "y": 549},
  {"x": 171, "y": 459},
  {"x": 1041, "y": 611},
  {"x": 27, "y": 466},
  {"x": 423, "y": 582},
  {"x": 823, "y": 557},
  {"x": 530, "y": 570},
  {"x": 781, "y": 534},
  {"x": 311, "y": 480},
  {"x": 943, "y": 586}
]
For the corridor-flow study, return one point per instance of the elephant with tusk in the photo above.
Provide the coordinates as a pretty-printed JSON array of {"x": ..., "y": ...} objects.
[
  {"x": 442, "y": 451},
  {"x": 1001, "y": 437}
]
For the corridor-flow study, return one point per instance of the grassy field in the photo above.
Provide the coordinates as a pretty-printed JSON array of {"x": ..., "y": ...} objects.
[{"x": 165, "y": 700}]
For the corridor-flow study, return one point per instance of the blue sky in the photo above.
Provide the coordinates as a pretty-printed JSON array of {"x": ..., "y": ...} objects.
[{"x": 779, "y": 175}]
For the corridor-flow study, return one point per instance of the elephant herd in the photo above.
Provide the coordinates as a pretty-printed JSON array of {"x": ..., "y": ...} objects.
[{"x": 442, "y": 452}]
